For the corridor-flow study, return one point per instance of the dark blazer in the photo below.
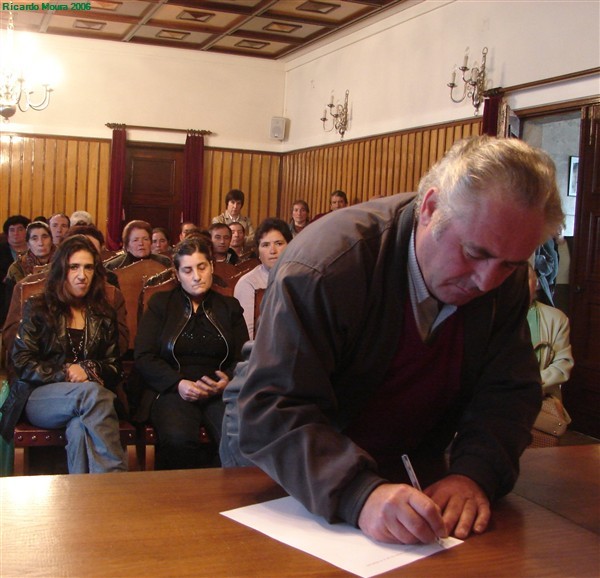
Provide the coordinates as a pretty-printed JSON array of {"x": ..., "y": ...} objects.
[{"x": 160, "y": 327}]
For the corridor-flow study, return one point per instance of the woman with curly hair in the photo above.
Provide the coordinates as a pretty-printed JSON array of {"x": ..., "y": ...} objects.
[{"x": 66, "y": 358}]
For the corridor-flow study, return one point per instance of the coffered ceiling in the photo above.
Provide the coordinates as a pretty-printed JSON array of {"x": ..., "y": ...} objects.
[{"x": 259, "y": 28}]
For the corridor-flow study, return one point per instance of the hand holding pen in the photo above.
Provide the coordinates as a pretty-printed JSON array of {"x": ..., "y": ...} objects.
[{"x": 398, "y": 513}]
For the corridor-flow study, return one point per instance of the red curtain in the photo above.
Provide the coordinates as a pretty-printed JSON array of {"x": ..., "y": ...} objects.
[
  {"x": 491, "y": 109},
  {"x": 117, "y": 182},
  {"x": 193, "y": 177}
]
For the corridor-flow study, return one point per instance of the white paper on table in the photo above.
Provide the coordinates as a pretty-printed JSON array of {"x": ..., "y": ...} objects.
[{"x": 288, "y": 521}]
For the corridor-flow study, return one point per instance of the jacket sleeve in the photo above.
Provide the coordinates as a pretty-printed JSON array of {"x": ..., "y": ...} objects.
[
  {"x": 495, "y": 427},
  {"x": 107, "y": 352},
  {"x": 288, "y": 404},
  {"x": 33, "y": 362},
  {"x": 239, "y": 333},
  {"x": 244, "y": 293},
  {"x": 158, "y": 374}
]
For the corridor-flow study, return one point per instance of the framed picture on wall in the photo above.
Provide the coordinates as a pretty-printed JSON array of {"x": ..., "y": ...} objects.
[{"x": 573, "y": 170}]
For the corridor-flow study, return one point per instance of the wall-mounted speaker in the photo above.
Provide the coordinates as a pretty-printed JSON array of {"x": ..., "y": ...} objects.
[{"x": 278, "y": 127}]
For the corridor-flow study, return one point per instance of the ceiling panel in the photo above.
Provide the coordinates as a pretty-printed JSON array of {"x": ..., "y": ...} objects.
[{"x": 255, "y": 28}]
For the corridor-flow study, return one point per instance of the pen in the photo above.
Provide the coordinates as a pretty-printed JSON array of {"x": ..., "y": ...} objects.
[
  {"x": 411, "y": 473},
  {"x": 415, "y": 484}
]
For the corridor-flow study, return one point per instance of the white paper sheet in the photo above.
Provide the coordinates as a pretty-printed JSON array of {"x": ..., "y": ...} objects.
[{"x": 287, "y": 521}]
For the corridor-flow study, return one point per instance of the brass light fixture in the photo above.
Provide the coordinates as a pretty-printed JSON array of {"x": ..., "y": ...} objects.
[
  {"x": 14, "y": 91},
  {"x": 473, "y": 82},
  {"x": 337, "y": 120}
]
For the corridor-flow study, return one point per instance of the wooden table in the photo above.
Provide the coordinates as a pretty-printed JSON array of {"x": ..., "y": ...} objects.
[{"x": 145, "y": 524}]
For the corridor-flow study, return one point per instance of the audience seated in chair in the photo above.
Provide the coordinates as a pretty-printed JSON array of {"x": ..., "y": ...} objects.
[
  {"x": 39, "y": 252},
  {"x": 66, "y": 358},
  {"x": 549, "y": 328},
  {"x": 187, "y": 345},
  {"x": 137, "y": 242},
  {"x": 234, "y": 201},
  {"x": 272, "y": 237}
]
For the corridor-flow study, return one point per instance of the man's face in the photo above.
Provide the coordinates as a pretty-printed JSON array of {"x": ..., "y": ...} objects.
[
  {"x": 237, "y": 235},
  {"x": 299, "y": 214},
  {"x": 80, "y": 273},
  {"x": 40, "y": 242},
  {"x": 139, "y": 244},
  {"x": 16, "y": 236},
  {"x": 221, "y": 239},
  {"x": 234, "y": 208},
  {"x": 471, "y": 254},
  {"x": 337, "y": 202},
  {"x": 185, "y": 229},
  {"x": 59, "y": 226}
]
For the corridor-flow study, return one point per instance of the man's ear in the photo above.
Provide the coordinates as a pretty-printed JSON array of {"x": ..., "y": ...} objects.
[{"x": 428, "y": 206}]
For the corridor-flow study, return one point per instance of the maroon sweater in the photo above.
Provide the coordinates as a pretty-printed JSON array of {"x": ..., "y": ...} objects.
[{"x": 421, "y": 383}]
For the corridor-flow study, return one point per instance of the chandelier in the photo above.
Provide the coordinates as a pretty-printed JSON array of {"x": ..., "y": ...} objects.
[
  {"x": 339, "y": 119},
  {"x": 14, "y": 90},
  {"x": 473, "y": 82}
]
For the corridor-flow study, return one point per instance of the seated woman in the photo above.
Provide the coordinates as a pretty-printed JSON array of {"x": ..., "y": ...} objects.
[
  {"x": 234, "y": 201},
  {"x": 137, "y": 242},
  {"x": 300, "y": 218},
  {"x": 272, "y": 237},
  {"x": 549, "y": 328},
  {"x": 188, "y": 342},
  {"x": 160, "y": 242},
  {"x": 66, "y": 358},
  {"x": 39, "y": 252}
]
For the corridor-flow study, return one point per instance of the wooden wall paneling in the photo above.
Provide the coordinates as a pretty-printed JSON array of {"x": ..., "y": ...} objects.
[
  {"x": 26, "y": 170},
  {"x": 65, "y": 197},
  {"x": 15, "y": 151},
  {"x": 44, "y": 167},
  {"x": 5, "y": 144},
  {"x": 90, "y": 193}
]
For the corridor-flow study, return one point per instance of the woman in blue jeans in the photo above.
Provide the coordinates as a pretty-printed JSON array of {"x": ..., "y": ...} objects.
[
  {"x": 186, "y": 347},
  {"x": 66, "y": 358}
]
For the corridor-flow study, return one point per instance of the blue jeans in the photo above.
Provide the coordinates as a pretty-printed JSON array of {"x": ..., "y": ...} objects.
[{"x": 87, "y": 412}]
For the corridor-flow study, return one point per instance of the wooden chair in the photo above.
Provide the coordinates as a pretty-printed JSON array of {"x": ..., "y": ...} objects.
[
  {"x": 258, "y": 297},
  {"x": 146, "y": 434},
  {"x": 27, "y": 435},
  {"x": 131, "y": 282}
]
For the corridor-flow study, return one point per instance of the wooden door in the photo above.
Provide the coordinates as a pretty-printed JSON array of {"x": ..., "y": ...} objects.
[
  {"x": 153, "y": 187},
  {"x": 582, "y": 392}
]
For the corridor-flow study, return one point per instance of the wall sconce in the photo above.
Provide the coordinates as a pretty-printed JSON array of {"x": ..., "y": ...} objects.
[
  {"x": 474, "y": 83},
  {"x": 14, "y": 91},
  {"x": 339, "y": 118}
]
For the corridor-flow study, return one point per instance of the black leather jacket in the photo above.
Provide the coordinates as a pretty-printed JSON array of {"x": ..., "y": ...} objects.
[
  {"x": 39, "y": 356},
  {"x": 160, "y": 327}
]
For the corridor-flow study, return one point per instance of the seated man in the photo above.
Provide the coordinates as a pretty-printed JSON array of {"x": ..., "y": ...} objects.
[
  {"x": 238, "y": 242},
  {"x": 403, "y": 330},
  {"x": 220, "y": 236}
]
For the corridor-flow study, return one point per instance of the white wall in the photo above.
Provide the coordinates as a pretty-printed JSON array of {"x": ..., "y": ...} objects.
[
  {"x": 397, "y": 69},
  {"x": 103, "y": 81}
]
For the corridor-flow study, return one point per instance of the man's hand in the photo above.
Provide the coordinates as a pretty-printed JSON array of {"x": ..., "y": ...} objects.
[
  {"x": 397, "y": 513},
  {"x": 464, "y": 505}
]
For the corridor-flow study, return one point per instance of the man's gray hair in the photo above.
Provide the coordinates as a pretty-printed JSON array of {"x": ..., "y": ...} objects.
[{"x": 483, "y": 167}]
